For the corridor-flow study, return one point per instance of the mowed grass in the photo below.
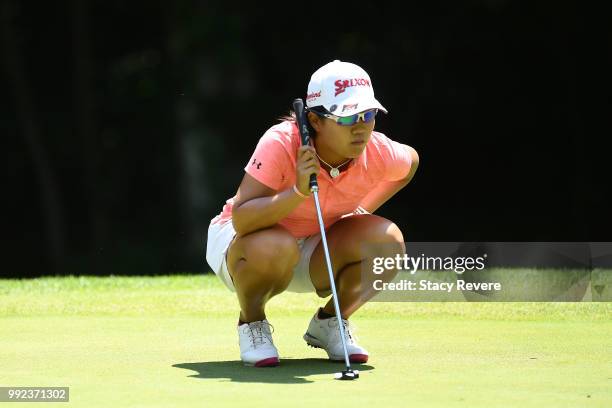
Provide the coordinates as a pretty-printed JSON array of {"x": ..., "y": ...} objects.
[{"x": 171, "y": 341}]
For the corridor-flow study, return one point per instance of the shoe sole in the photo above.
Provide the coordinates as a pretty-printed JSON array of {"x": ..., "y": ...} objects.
[
  {"x": 353, "y": 358},
  {"x": 266, "y": 362}
]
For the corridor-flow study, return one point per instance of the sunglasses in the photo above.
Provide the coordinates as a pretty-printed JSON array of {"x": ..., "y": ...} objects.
[{"x": 366, "y": 117}]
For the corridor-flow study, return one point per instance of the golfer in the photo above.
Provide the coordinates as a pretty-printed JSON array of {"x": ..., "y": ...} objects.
[{"x": 266, "y": 240}]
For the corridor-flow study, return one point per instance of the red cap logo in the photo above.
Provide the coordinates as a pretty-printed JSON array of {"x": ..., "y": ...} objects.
[{"x": 342, "y": 84}]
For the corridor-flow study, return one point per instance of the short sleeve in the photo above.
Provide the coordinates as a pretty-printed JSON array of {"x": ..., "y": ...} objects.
[
  {"x": 398, "y": 162},
  {"x": 270, "y": 161}
]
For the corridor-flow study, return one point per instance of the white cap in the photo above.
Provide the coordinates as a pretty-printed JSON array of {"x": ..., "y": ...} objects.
[{"x": 342, "y": 88}]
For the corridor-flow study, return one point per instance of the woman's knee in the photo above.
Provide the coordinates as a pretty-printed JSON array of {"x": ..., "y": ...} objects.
[
  {"x": 373, "y": 230},
  {"x": 385, "y": 231},
  {"x": 271, "y": 253},
  {"x": 391, "y": 243},
  {"x": 383, "y": 239}
]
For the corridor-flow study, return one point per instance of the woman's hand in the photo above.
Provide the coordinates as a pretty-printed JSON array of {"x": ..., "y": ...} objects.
[{"x": 307, "y": 164}]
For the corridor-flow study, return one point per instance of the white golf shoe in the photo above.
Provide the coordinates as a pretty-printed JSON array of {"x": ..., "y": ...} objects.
[
  {"x": 325, "y": 334},
  {"x": 256, "y": 346}
]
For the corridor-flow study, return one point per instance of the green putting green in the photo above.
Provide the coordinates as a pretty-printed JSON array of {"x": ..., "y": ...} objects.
[{"x": 171, "y": 341}]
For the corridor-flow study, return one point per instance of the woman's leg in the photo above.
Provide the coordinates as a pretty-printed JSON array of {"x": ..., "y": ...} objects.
[
  {"x": 261, "y": 265},
  {"x": 344, "y": 240}
]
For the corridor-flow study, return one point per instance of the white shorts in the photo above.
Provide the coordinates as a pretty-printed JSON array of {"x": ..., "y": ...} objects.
[{"x": 221, "y": 235}]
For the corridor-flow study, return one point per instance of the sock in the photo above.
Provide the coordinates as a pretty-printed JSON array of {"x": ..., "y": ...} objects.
[{"x": 322, "y": 315}]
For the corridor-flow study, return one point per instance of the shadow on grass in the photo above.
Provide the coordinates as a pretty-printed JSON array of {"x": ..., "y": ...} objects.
[{"x": 290, "y": 371}]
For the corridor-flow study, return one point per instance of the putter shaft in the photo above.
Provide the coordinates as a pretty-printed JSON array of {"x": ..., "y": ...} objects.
[{"x": 315, "y": 192}]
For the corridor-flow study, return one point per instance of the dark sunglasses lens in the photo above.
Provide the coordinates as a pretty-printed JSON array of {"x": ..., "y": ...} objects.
[
  {"x": 370, "y": 115},
  {"x": 348, "y": 120},
  {"x": 351, "y": 120}
]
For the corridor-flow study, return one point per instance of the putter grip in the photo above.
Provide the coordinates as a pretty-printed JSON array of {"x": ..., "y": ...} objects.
[{"x": 300, "y": 116}]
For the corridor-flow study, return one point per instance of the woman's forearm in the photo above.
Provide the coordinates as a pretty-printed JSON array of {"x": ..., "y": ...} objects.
[
  {"x": 263, "y": 212},
  {"x": 379, "y": 195},
  {"x": 384, "y": 191}
]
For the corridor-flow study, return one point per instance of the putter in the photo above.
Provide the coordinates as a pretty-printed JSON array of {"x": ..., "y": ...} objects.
[{"x": 348, "y": 374}]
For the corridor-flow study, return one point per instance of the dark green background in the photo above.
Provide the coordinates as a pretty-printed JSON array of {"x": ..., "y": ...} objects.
[{"x": 126, "y": 125}]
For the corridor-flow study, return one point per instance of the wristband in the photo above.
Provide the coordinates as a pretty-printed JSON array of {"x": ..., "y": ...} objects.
[{"x": 298, "y": 192}]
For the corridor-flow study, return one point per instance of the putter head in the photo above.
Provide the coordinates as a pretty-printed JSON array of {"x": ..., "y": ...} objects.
[{"x": 347, "y": 375}]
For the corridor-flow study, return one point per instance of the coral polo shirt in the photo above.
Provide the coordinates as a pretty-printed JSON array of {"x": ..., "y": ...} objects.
[{"x": 274, "y": 164}]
